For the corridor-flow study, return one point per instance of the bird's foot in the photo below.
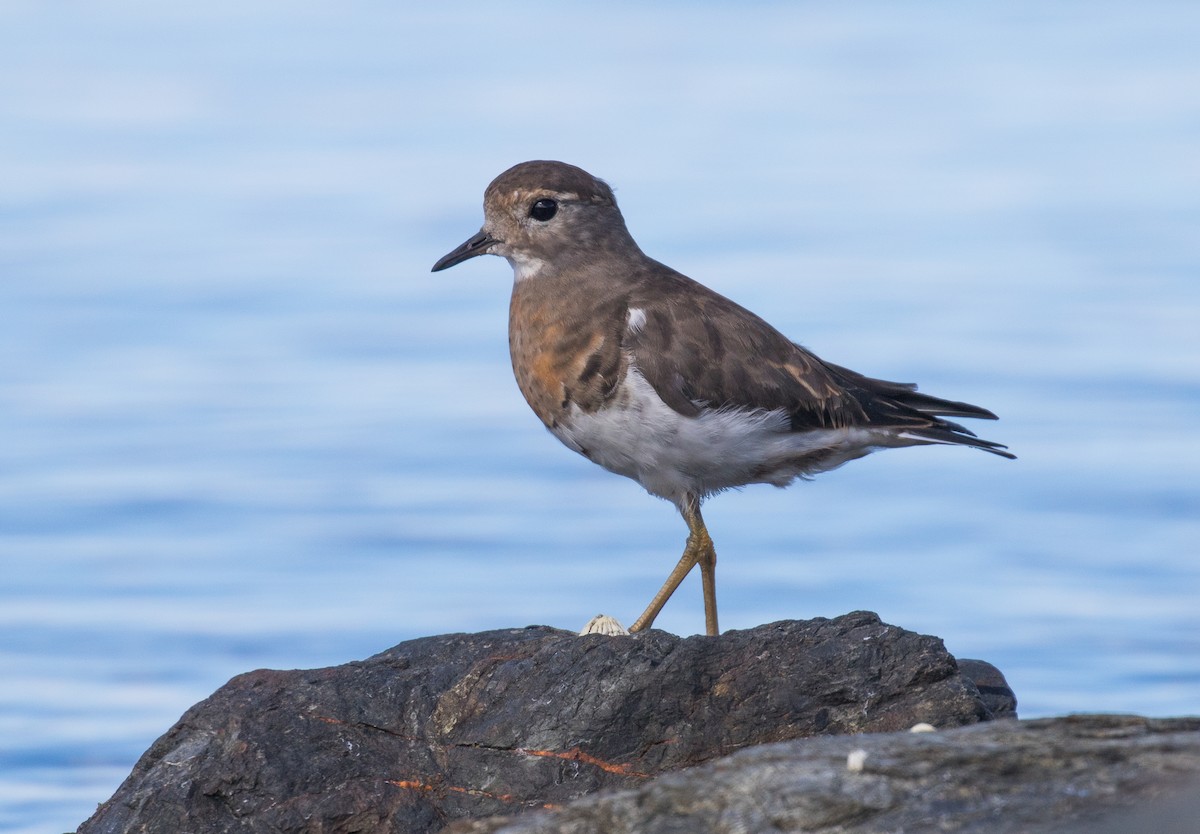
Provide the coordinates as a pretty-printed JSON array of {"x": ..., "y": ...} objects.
[{"x": 604, "y": 624}]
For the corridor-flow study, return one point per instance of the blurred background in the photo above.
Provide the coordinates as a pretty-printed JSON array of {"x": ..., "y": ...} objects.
[{"x": 243, "y": 426}]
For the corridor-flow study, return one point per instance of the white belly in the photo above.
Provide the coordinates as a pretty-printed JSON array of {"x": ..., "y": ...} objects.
[{"x": 671, "y": 455}]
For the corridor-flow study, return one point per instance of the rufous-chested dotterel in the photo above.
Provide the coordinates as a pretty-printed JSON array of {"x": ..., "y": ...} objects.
[{"x": 658, "y": 378}]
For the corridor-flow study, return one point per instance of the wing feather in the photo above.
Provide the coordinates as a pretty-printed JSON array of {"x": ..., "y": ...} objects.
[{"x": 698, "y": 350}]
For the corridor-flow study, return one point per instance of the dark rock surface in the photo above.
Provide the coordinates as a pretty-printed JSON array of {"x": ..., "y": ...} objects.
[
  {"x": 472, "y": 725},
  {"x": 1057, "y": 775},
  {"x": 997, "y": 695}
]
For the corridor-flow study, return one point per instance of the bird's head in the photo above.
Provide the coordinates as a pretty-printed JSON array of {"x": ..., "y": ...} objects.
[{"x": 538, "y": 213}]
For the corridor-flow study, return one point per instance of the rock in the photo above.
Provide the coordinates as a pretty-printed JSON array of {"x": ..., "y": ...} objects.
[
  {"x": 1051, "y": 775},
  {"x": 471, "y": 725},
  {"x": 997, "y": 695}
]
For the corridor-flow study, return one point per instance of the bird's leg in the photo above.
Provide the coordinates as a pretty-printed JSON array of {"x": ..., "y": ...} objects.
[
  {"x": 686, "y": 562},
  {"x": 706, "y": 555},
  {"x": 699, "y": 549}
]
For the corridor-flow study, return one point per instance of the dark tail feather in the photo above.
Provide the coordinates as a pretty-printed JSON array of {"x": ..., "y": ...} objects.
[
  {"x": 938, "y": 407},
  {"x": 947, "y": 433},
  {"x": 906, "y": 394},
  {"x": 907, "y": 397}
]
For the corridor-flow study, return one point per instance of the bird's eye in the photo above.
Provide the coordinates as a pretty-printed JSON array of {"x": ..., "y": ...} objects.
[{"x": 543, "y": 209}]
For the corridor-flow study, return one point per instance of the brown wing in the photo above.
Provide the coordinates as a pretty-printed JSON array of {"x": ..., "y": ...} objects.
[{"x": 698, "y": 348}]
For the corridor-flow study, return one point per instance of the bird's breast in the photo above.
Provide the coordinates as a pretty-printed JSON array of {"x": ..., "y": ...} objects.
[{"x": 565, "y": 359}]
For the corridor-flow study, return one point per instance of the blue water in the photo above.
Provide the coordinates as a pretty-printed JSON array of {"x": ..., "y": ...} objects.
[{"x": 242, "y": 425}]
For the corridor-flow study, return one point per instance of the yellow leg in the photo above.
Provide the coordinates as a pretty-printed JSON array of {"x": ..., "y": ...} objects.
[{"x": 699, "y": 550}]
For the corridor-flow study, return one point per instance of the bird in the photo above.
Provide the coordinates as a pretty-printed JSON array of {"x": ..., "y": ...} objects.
[{"x": 656, "y": 377}]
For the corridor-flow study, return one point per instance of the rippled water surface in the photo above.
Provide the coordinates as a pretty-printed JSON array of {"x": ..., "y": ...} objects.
[{"x": 242, "y": 425}]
